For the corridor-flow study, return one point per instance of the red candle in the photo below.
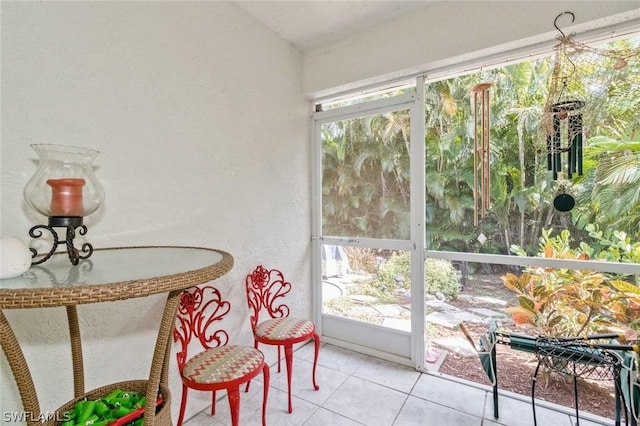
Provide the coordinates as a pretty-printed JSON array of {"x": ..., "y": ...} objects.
[{"x": 66, "y": 197}]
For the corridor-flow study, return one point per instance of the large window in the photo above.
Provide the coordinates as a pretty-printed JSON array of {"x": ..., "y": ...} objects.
[
  {"x": 523, "y": 193},
  {"x": 552, "y": 220},
  {"x": 537, "y": 220}
]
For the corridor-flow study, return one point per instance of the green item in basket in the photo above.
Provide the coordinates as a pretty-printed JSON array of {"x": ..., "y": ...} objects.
[
  {"x": 86, "y": 412},
  {"x": 113, "y": 395},
  {"x": 101, "y": 408},
  {"x": 121, "y": 411},
  {"x": 140, "y": 403},
  {"x": 122, "y": 402},
  {"x": 77, "y": 408},
  {"x": 90, "y": 421},
  {"x": 130, "y": 395},
  {"x": 101, "y": 412}
]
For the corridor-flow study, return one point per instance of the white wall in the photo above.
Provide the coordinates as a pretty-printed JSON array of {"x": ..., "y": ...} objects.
[
  {"x": 203, "y": 132},
  {"x": 447, "y": 33}
]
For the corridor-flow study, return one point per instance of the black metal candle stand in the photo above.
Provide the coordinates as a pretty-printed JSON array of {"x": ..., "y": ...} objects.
[{"x": 71, "y": 224}]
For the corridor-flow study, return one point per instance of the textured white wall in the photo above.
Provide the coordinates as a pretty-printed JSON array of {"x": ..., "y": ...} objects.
[
  {"x": 444, "y": 33},
  {"x": 197, "y": 111}
]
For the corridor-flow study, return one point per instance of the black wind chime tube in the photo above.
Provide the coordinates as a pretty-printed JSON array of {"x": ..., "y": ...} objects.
[
  {"x": 571, "y": 159},
  {"x": 575, "y": 153},
  {"x": 578, "y": 143}
]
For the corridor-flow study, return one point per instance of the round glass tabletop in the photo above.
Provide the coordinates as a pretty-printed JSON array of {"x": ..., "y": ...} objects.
[{"x": 115, "y": 273}]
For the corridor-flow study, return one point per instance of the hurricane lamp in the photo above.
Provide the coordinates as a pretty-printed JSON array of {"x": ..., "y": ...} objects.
[{"x": 65, "y": 189}]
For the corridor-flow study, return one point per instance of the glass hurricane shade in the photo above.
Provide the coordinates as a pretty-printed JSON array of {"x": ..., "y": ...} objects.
[{"x": 64, "y": 185}]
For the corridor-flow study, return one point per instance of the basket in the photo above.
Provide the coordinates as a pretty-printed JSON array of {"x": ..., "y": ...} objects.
[{"x": 162, "y": 417}]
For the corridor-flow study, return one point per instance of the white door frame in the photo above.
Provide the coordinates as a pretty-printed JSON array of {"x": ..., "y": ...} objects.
[{"x": 396, "y": 345}]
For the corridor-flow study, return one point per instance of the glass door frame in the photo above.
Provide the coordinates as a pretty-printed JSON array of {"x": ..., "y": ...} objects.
[{"x": 408, "y": 348}]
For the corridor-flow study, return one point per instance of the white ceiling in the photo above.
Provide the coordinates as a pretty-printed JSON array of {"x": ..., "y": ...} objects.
[{"x": 311, "y": 23}]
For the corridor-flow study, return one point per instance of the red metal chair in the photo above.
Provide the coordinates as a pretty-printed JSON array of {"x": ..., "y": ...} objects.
[
  {"x": 266, "y": 290},
  {"x": 218, "y": 366}
]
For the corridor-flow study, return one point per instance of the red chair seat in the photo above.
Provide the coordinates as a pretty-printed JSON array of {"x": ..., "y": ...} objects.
[
  {"x": 285, "y": 329},
  {"x": 224, "y": 364}
]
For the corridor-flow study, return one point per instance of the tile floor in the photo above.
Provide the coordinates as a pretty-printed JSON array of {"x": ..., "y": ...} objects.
[{"x": 357, "y": 389}]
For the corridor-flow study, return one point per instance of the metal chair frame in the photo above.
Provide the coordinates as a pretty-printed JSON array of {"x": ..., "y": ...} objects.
[
  {"x": 199, "y": 309},
  {"x": 596, "y": 357},
  {"x": 587, "y": 358},
  {"x": 266, "y": 290}
]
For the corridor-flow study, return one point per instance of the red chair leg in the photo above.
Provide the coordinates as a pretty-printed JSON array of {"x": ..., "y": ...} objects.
[
  {"x": 213, "y": 403},
  {"x": 288, "y": 357},
  {"x": 279, "y": 357},
  {"x": 255, "y": 345},
  {"x": 183, "y": 405},
  {"x": 316, "y": 341},
  {"x": 234, "y": 404},
  {"x": 265, "y": 375}
]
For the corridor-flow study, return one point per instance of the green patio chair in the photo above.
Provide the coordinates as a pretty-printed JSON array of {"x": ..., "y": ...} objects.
[
  {"x": 589, "y": 358},
  {"x": 486, "y": 349},
  {"x": 598, "y": 357},
  {"x": 630, "y": 383}
]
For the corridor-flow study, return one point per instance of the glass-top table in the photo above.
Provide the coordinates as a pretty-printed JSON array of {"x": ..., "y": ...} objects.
[{"x": 108, "y": 275}]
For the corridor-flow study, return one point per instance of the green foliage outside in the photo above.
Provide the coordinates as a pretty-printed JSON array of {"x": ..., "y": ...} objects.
[
  {"x": 384, "y": 293},
  {"x": 365, "y": 185},
  {"x": 573, "y": 302},
  {"x": 611, "y": 245},
  {"x": 608, "y": 245},
  {"x": 366, "y": 164},
  {"x": 388, "y": 282},
  {"x": 440, "y": 275}
]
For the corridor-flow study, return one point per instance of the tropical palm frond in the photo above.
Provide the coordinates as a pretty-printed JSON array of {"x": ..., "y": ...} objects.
[{"x": 618, "y": 170}]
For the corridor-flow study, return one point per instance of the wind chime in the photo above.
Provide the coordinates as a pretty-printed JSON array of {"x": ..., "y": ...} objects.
[
  {"x": 565, "y": 111},
  {"x": 563, "y": 121},
  {"x": 566, "y": 138},
  {"x": 481, "y": 150},
  {"x": 575, "y": 93}
]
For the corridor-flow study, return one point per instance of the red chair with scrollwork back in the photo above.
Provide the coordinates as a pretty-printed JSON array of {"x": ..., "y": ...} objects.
[
  {"x": 266, "y": 291},
  {"x": 219, "y": 365}
]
